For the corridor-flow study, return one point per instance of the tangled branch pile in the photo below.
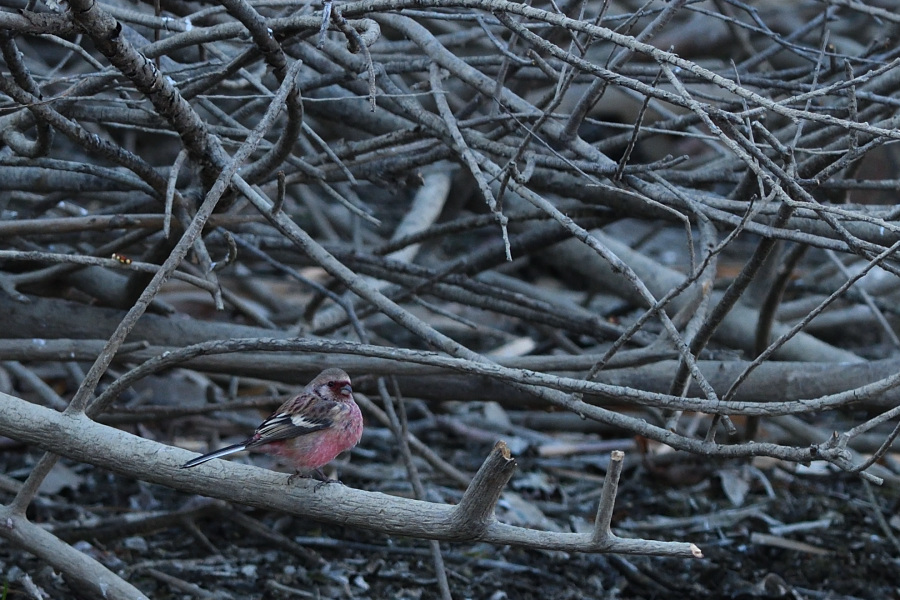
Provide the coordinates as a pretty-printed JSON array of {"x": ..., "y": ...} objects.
[{"x": 630, "y": 211}]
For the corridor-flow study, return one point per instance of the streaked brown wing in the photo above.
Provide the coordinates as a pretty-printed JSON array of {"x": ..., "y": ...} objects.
[{"x": 298, "y": 416}]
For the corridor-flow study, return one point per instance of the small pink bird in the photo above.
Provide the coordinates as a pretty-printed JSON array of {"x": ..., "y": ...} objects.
[{"x": 309, "y": 430}]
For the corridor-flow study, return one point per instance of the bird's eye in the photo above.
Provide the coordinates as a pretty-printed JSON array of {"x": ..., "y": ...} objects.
[{"x": 332, "y": 384}]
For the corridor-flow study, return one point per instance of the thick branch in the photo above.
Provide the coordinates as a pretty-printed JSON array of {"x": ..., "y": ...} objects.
[{"x": 79, "y": 438}]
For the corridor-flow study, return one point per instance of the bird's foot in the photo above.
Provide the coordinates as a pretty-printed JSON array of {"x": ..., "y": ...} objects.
[
  {"x": 316, "y": 474},
  {"x": 326, "y": 482},
  {"x": 323, "y": 479}
]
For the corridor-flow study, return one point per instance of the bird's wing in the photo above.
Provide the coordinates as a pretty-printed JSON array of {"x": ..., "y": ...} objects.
[{"x": 298, "y": 416}]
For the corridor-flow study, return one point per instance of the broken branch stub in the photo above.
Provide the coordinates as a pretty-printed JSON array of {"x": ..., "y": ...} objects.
[{"x": 475, "y": 510}]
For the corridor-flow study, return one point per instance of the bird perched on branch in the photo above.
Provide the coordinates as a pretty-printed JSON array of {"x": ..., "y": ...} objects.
[{"x": 309, "y": 430}]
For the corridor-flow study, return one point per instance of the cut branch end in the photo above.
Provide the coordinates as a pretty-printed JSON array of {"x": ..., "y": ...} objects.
[{"x": 475, "y": 510}]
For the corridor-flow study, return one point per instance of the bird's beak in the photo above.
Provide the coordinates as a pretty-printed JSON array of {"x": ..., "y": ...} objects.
[{"x": 347, "y": 390}]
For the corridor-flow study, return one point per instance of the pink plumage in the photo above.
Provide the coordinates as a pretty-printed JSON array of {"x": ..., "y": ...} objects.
[{"x": 309, "y": 430}]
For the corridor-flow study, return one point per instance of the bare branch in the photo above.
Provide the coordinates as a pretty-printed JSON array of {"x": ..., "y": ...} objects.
[{"x": 79, "y": 438}]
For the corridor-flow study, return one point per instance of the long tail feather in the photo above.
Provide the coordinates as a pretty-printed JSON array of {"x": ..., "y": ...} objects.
[{"x": 217, "y": 454}]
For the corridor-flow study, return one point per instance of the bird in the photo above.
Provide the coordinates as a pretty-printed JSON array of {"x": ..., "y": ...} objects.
[{"x": 308, "y": 430}]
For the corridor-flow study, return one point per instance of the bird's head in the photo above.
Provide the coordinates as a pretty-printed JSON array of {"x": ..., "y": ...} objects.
[{"x": 333, "y": 384}]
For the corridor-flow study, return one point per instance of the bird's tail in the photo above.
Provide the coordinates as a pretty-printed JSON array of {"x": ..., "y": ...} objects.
[{"x": 217, "y": 454}]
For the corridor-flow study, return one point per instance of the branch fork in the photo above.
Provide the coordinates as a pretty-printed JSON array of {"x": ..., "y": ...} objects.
[{"x": 473, "y": 517}]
